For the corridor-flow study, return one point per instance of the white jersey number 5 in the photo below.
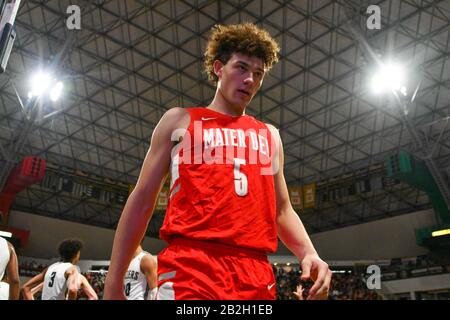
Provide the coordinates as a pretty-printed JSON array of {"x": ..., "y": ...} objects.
[{"x": 240, "y": 179}]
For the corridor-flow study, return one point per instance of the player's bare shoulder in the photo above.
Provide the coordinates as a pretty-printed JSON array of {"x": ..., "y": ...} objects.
[
  {"x": 277, "y": 158},
  {"x": 11, "y": 247},
  {"x": 148, "y": 261},
  {"x": 175, "y": 118},
  {"x": 174, "y": 123},
  {"x": 275, "y": 134}
]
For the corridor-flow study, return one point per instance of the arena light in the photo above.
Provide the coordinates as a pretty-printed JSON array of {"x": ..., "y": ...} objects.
[
  {"x": 5, "y": 234},
  {"x": 39, "y": 83},
  {"x": 55, "y": 92},
  {"x": 43, "y": 83},
  {"x": 390, "y": 77},
  {"x": 440, "y": 233}
]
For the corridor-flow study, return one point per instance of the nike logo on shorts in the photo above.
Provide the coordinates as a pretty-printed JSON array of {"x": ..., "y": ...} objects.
[
  {"x": 270, "y": 286},
  {"x": 205, "y": 119}
]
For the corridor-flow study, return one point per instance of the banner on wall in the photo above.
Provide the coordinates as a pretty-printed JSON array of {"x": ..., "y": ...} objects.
[
  {"x": 163, "y": 199},
  {"x": 309, "y": 195},
  {"x": 295, "y": 194}
]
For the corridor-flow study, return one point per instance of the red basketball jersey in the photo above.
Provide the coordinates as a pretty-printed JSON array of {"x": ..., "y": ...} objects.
[{"x": 222, "y": 187}]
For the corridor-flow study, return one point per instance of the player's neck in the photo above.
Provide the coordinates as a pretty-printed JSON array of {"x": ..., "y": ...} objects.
[
  {"x": 68, "y": 261},
  {"x": 220, "y": 104}
]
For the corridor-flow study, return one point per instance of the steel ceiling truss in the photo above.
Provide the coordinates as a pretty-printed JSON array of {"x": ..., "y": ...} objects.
[{"x": 134, "y": 60}]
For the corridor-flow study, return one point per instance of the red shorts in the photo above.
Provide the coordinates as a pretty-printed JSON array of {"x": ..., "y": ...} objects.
[{"x": 198, "y": 270}]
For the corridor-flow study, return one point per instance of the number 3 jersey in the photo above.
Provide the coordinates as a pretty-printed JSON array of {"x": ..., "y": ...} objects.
[
  {"x": 222, "y": 186},
  {"x": 55, "y": 282}
]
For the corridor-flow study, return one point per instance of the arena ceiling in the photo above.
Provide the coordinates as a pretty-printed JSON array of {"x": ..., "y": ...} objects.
[{"x": 133, "y": 60}]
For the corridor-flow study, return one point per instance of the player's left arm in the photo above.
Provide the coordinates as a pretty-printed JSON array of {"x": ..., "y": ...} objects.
[
  {"x": 292, "y": 232},
  {"x": 87, "y": 288},
  {"x": 72, "y": 282}
]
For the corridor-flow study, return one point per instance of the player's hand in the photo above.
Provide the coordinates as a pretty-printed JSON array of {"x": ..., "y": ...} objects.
[{"x": 317, "y": 270}]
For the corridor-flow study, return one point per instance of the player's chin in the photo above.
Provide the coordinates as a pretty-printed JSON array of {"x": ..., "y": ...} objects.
[{"x": 243, "y": 99}]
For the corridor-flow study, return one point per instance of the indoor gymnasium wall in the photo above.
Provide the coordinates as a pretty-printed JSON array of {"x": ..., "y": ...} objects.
[
  {"x": 46, "y": 233},
  {"x": 419, "y": 284},
  {"x": 381, "y": 239}
]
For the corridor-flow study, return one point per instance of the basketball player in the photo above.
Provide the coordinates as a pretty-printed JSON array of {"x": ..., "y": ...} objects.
[
  {"x": 9, "y": 271},
  {"x": 141, "y": 274},
  {"x": 228, "y": 198},
  {"x": 60, "y": 279},
  {"x": 83, "y": 285}
]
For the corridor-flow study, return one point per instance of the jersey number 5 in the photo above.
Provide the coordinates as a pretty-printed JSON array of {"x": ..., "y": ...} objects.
[{"x": 240, "y": 179}]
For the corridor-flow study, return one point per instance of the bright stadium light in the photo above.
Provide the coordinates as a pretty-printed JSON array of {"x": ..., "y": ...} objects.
[
  {"x": 390, "y": 77},
  {"x": 39, "y": 83},
  {"x": 43, "y": 84},
  {"x": 55, "y": 92},
  {"x": 440, "y": 233}
]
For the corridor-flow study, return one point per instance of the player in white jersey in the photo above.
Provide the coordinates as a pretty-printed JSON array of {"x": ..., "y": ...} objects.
[
  {"x": 140, "y": 276},
  {"x": 61, "y": 279},
  {"x": 4, "y": 290},
  {"x": 9, "y": 271},
  {"x": 83, "y": 284}
]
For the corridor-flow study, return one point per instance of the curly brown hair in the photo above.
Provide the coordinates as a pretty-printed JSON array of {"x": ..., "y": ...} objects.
[{"x": 245, "y": 38}]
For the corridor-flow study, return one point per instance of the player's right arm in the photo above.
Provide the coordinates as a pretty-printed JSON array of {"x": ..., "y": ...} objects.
[
  {"x": 139, "y": 207},
  {"x": 30, "y": 284}
]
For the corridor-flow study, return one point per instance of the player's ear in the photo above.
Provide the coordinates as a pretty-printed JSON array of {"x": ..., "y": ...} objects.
[{"x": 218, "y": 68}]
